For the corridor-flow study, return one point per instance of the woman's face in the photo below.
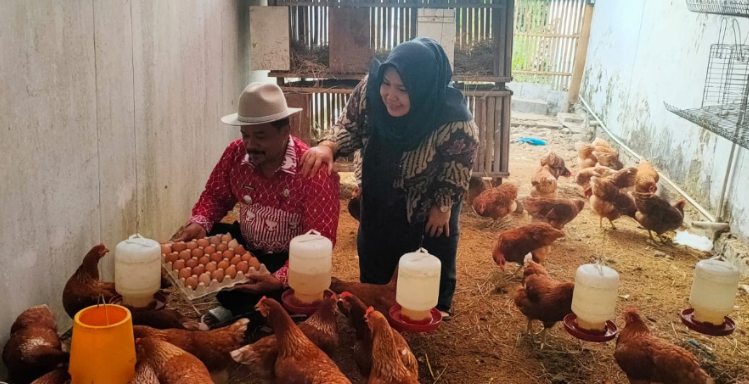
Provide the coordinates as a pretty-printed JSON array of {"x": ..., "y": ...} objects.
[{"x": 394, "y": 94}]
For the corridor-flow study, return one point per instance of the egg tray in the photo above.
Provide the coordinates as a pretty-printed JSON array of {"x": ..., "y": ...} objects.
[{"x": 213, "y": 286}]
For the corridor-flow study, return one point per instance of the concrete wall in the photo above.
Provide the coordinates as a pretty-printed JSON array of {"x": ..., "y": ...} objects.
[
  {"x": 642, "y": 54},
  {"x": 109, "y": 125}
]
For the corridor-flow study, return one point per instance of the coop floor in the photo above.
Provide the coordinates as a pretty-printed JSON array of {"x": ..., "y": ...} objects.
[{"x": 483, "y": 344}]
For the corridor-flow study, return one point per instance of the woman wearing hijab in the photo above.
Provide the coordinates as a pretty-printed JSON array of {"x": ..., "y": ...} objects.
[{"x": 417, "y": 140}]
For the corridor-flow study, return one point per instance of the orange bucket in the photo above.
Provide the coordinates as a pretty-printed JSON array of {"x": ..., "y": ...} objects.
[{"x": 102, "y": 349}]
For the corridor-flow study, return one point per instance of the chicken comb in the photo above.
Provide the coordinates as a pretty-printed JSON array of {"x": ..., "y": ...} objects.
[
  {"x": 137, "y": 340},
  {"x": 346, "y": 294},
  {"x": 334, "y": 296},
  {"x": 262, "y": 299},
  {"x": 369, "y": 310}
]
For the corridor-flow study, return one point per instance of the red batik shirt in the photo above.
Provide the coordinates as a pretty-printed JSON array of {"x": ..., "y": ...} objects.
[{"x": 271, "y": 210}]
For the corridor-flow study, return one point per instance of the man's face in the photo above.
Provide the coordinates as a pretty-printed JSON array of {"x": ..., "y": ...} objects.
[{"x": 265, "y": 143}]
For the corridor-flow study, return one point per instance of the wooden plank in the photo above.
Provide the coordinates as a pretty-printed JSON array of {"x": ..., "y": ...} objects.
[
  {"x": 434, "y": 5},
  {"x": 270, "y": 51},
  {"x": 499, "y": 127},
  {"x": 439, "y": 24},
  {"x": 504, "y": 163},
  {"x": 350, "y": 51},
  {"x": 481, "y": 123},
  {"x": 301, "y": 122},
  {"x": 490, "y": 127},
  {"x": 580, "y": 56}
]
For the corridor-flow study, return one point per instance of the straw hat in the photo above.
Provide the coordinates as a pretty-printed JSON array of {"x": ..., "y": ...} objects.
[{"x": 260, "y": 103}]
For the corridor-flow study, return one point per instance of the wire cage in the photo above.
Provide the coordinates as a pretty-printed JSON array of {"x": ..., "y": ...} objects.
[
  {"x": 727, "y": 76},
  {"x": 721, "y": 7}
]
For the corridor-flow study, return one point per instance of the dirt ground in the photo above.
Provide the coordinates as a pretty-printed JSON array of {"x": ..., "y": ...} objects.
[{"x": 482, "y": 344}]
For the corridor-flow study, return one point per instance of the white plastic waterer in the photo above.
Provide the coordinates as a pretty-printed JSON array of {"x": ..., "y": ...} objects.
[
  {"x": 418, "y": 285},
  {"x": 137, "y": 270},
  {"x": 594, "y": 297},
  {"x": 713, "y": 291},
  {"x": 310, "y": 264}
]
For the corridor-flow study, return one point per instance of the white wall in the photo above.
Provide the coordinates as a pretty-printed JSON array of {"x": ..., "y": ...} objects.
[
  {"x": 642, "y": 54},
  {"x": 109, "y": 123}
]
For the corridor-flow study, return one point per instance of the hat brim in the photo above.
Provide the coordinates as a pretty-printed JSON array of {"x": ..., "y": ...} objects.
[{"x": 232, "y": 119}]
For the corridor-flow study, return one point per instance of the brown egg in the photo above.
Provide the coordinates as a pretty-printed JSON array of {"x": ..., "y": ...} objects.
[
  {"x": 215, "y": 240},
  {"x": 191, "y": 282},
  {"x": 243, "y": 267},
  {"x": 254, "y": 263},
  {"x": 205, "y": 278},
  {"x": 204, "y": 260},
  {"x": 203, "y": 243},
  {"x": 192, "y": 263},
  {"x": 209, "y": 250},
  {"x": 177, "y": 265},
  {"x": 185, "y": 272},
  {"x": 192, "y": 245},
  {"x": 185, "y": 254},
  {"x": 233, "y": 243},
  {"x": 217, "y": 257},
  {"x": 210, "y": 267},
  {"x": 197, "y": 252},
  {"x": 223, "y": 264},
  {"x": 166, "y": 249},
  {"x": 246, "y": 256},
  {"x": 171, "y": 257},
  {"x": 179, "y": 247},
  {"x": 239, "y": 249},
  {"x": 231, "y": 271},
  {"x": 221, "y": 247},
  {"x": 235, "y": 260},
  {"x": 228, "y": 254},
  {"x": 226, "y": 237},
  {"x": 218, "y": 275},
  {"x": 198, "y": 269}
]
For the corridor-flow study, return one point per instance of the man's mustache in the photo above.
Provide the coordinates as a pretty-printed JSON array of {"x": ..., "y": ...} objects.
[{"x": 255, "y": 152}]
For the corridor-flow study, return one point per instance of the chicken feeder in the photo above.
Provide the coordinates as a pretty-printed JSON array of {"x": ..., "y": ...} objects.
[
  {"x": 417, "y": 293},
  {"x": 593, "y": 304},
  {"x": 712, "y": 298},
  {"x": 310, "y": 265}
]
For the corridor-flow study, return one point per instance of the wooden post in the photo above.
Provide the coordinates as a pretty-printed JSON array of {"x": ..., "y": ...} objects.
[{"x": 580, "y": 55}]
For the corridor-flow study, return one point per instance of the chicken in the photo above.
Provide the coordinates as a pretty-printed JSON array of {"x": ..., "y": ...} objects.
[
  {"x": 607, "y": 201},
  {"x": 656, "y": 215},
  {"x": 647, "y": 178},
  {"x": 556, "y": 165},
  {"x": 212, "y": 347},
  {"x": 585, "y": 158},
  {"x": 34, "y": 347},
  {"x": 557, "y": 212},
  {"x": 497, "y": 202},
  {"x": 58, "y": 376},
  {"x": 544, "y": 184},
  {"x": 354, "y": 207},
  {"x": 534, "y": 238},
  {"x": 476, "y": 185},
  {"x": 355, "y": 310},
  {"x": 171, "y": 364},
  {"x": 321, "y": 328},
  {"x": 599, "y": 142},
  {"x": 598, "y": 152},
  {"x": 583, "y": 177},
  {"x": 624, "y": 178},
  {"x": 607, "y": 157},
  {"x": 387, "y": 367},
  {"x": 645, "y": 358},
  {"x": 144, "y": 374},
  {"x": 165, "y": 319},
  {"x": 84, "y": 289},
  {"x": 543, "y": 298},
  {"x": 382, "y": 297},
  {"x": 299, "y": 359}
]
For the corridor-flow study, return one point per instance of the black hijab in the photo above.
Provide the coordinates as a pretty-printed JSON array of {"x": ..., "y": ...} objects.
[{"x": 425, "y": 71}]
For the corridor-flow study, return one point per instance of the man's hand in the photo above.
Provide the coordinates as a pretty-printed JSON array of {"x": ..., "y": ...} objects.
[
  {"x": 316, "y": 157},
  {"x": 192, "y": 231},
  {"x": 438, "y": 223},
  {"x": 263, "y": 283}
]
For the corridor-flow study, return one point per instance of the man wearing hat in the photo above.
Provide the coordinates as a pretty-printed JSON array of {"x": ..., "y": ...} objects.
[{"x": 261, "y": 171}]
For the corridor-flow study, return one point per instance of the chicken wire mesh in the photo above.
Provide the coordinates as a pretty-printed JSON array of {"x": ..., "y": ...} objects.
[
  {"x": 727, "y": 75},
  {"x": 721, "y": 7},
  {"x": 726, "y": 120}
]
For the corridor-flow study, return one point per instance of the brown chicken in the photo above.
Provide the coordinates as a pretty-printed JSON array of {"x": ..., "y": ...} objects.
[
  {"x": 476, "y": 185},
  {"x": 34, "y": 347},
  {"x": 387, "y": 366},
  {"x": 543, "y": 298},
  {"x": 599, "y": 142},
  {"x": 171, "y": 364},
  {"x": 656, "y": 215},
  {"x": 299, "y": 359},
  {"x": 84, "y": 288},
  {"x": 607, "y": 157},
  {"x": 582, "y": 178},
  {"x": 544, "y": 184},
  {"x": 497, "y": 202},
  {"x": 381, "y": 297},
  {"x": 624, "y": 178},
  {"x": 645, "y": 358},
  {"x": 165, "y": 319},
  {"x": 321, "y": 328},
  {"x": 355, "y": 310},
  {"x": 608, "y": 202},
  {"x": 144, "y": 374},
  {"x": 647, "y": 178},
  {"x": 58, "y": 376},
  {"x": 557, "y": 212},
  {"x": 556, "y": 165},
  {"x": 354, "y": 207},
  {"x": 534, "y": 238},
  {"x": 212, "y": 347},
  {"x": 585, "y": 158}
]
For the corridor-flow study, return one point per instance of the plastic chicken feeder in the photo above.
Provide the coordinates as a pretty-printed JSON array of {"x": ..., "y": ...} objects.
[{"x": 102, "y": 349}]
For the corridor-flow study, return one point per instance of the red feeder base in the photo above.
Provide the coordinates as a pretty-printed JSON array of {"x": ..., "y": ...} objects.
[
  {"x": 727, "y": 328},
  {"x": 402, "y": 325},
  {"x": 295, "y": 306},
  {"x": 158, "y": 304},
  {"x": 570, "y": 324}
]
